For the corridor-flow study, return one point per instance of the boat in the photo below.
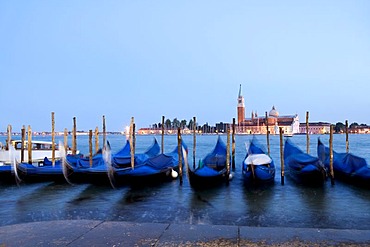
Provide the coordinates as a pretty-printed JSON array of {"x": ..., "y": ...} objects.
[
  {"x": 40, "y": 150},
  {"x": 257, "y": 167},
  {"x": 84, "y": 170},
  {"x": 347, "y": 166},
  {"x": 40, "y": 172},
  {"x": 81, "y": 171},
  {"x": 156, "y": 169},
  {"x": 301, "y": 167},
  {"x": 211, "y": 170}
]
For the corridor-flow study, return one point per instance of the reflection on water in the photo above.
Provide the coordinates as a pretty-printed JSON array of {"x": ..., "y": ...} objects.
[{"x": 340, "y": 206}]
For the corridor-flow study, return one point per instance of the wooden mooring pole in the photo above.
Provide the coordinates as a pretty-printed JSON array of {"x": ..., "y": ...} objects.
[
  {"x": 90, "y": 148},
  {"x": 9, "y": 137},
  {"x": 104, "y": 133},
  {"x": 347, "y": 142},
  {"x": 97, "y": 139},
  {"x": 29, "y": 140},
  {"x": 194, "y": 139},
  {"x": 307, "y": 134},
  {"x": 74, "y": 133},
  {"x": 23, "y": 131},
  {"x": 331, "y": 155},
  {"x": 162, "y": 141},
  {"x": 65, "y": 140},
  {"x": 281, "y": 155},
  {"x": 132, "y": 153},
  {"x": 233, "y": 146},
  {"x": 179, "y": 146},
  {"x": 52, "y": 139},
  {"x": 228, "y": 156},
  {"x": 267, "y": 133}
]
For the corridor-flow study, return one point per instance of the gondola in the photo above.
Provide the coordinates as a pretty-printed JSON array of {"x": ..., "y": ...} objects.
[
  {"x": 84, "y": 170},
  {"x": 257, "y": 167},
  {"x": 157, "y": 169},
  {"x": 347, "y": 167},
  {"x": 40, "y": 172},
  {"x": 96, "y": 172},
  {"x": 301, "y": 167},
  {"x": 211, "y": 170}
]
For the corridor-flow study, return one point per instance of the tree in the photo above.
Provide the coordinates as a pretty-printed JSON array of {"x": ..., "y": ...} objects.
[
  {"x": 183, "y": 124},
  {"x": 175, "y": 123},
  {"x": 353, "y": 125},
  {"x": 168, "y": 124},
  {"x": 339, "y": 127}
]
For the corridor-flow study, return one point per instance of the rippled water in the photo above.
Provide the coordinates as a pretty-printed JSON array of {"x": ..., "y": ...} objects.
[{"x": 341, "y": 206}]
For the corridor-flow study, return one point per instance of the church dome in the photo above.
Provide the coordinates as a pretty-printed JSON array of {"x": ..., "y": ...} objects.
[{"x": 274, "y": 112}]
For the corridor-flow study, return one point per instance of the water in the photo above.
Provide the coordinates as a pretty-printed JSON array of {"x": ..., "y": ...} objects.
[{"x": 341, "y": 206}]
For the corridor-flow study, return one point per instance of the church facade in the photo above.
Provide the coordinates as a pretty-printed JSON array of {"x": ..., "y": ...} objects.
[{"x": 259, "y": 124}]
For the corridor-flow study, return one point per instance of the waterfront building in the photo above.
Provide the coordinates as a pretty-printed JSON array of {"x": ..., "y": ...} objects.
[
  {"x": 258, "y": 124},
  {"x": 315, "y": 128}
]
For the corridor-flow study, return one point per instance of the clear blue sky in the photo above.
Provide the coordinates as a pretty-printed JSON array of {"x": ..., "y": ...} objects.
[{"x": 145, "y": 59}]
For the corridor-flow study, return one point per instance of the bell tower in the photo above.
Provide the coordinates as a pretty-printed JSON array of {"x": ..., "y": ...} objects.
[{"x": 241, "y": 106}]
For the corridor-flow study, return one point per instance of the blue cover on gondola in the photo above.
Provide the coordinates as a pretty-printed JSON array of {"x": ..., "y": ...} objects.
[
  {"x": 346, "y": 164},
  {"x": 302, "y": 167},
  {"x": 211, "y": 170},
  {"x": 217, "y": 158},
  {"x": 97, "y": 160},
  {"x": 123, "y": 157},
  {"x": 296, "y": 158},
  {"x": 159, "y": 164},
  {"x": 261, "y": 172}
]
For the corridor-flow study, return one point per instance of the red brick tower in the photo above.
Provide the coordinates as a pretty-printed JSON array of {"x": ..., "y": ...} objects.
[{"x": 241, "y": 106}]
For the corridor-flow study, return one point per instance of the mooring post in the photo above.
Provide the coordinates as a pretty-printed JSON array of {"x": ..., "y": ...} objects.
[
  {"x": 179, "y": 146},
  {"x": 104, "y": 133},
  {"x": 90, "y": 148},
  {"x": 228, "y": 156},
  {"x": 281, "y": 155},
  {"x": 9, "y": 137},
  {"x": 347, "y": 141},
  {"x": 194, "y": 139},
  {"x": 23, "y": 131},
  {"x": 29, "y": 145},
  {"x": 52, "y": 139},
  {"x": 233, "y": 146},
  {"x": 268, "y": 133},
  {"x": 132, "y": 154},
  {"x": 133, "y": 137},
  {"x": 97, "y": 139},
  {"x": 307, "y": 134},
  {"x": 65, "y": 140},
  {"x": 331, "y": 155},
  {"x": 162, "y": 141},
  {"x": 74, "y": 141}
]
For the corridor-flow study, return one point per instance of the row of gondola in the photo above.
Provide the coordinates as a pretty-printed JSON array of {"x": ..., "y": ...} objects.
[{"x": 152, "y": 166}]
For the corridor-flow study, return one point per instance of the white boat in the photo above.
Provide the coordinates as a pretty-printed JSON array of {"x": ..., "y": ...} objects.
[{"x": 40, "y": 150}]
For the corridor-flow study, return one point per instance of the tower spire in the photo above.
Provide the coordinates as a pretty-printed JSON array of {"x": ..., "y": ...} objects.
[{"x": 240, "y": 91}]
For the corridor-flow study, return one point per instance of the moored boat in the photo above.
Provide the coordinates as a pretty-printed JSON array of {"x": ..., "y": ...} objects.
[
  {"x": 347, "y": 166},
  {"x": 156, "y": 169},
  {"x": 257, "y": 167},
  {"x": 40, "y": 150},
  {"x": 211, "y": 170},
  {"x": 301, "y": 167}
]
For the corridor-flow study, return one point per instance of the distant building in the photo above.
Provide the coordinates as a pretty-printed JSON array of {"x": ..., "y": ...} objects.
[
  {"x": 257, "y": 125},
  {"x": 360, "y": 130},
  {"x": 315, "y": 128}
]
